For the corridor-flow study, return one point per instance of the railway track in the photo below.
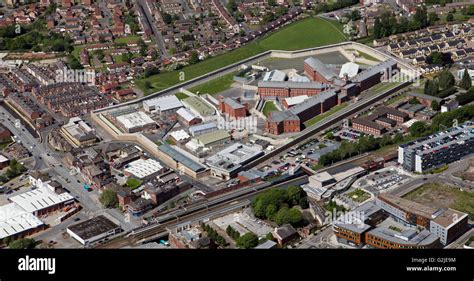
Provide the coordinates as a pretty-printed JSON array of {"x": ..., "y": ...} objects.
[{"x": 195, "y": 213}]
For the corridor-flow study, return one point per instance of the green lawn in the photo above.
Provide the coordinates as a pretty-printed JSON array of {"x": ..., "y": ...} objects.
[
  {"x": 215, "y": 86},
  {"x": 358, "y": 195},
  {"x": 382, "y": 87},
  {"x": 133, "y": 183},
  {"x": 367, "y": 56},
  {"x": 440, "y": 169},
  {"x": 77, "y": 50},
  {"x": 443, "y": 196},
  {"x": 320, "y": 117},
  {"x": 181, "y": 96},
  {"x": 128, "y": 39},
  {"x": 269, "y": 107},
  {"x": 395, "y": 99},
  {"x": 307, "y": 33}
]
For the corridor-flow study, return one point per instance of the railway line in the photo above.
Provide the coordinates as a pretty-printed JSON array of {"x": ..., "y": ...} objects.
[{"x": 198, "y": 212}]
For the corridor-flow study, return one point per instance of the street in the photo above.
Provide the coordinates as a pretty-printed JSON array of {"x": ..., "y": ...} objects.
[{"x": 46, "y": 160}]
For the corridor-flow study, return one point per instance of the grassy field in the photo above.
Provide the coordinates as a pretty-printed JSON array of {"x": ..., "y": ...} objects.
[
  {"x": 269, "y": 107},
  {"x": 214, "y": 86},
  {"x": 307, "y": 33},
  {"x": 320, "y": 117},
  {"x": 443, "y": 196}
]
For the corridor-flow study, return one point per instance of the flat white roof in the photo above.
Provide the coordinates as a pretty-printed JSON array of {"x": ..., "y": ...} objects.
[
  {"x": 295, "y": 100},
  {"x": 350, "y": 68},
  {"x": 14, "y": 219},
  {"x": 40, "y": 198},
  {"x": 186, "y": 114},
  {"x": 180, "y": 135},
  {"x": 135, "y": 119},
  {"x": 164, "y": 103},
  {"x": 142, "y": 168},
  {"x": 274, "y": 75}
]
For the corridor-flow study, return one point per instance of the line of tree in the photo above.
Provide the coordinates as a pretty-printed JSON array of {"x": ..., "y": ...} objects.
[
  {"x": 387, "y": 24},
  {"x": 364, "y": 144},
  {"x": 212, "y": 233},
  {"x": 334, "y": 5},
  {"x": 443, "y": 120},
  {"x": 466, "y": 97},
  {"x": 442, "y": 86},
  {"x": 234, "y": 234}
]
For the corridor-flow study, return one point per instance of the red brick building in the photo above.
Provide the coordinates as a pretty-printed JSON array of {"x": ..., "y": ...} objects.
[
  {"x": 317, "y": 71},
  {"x": 233, "y": 107},
  {"x": 367, "y": 126},
  {"x": 290, "y": 121},
  {"x": 285, "y": 89}
]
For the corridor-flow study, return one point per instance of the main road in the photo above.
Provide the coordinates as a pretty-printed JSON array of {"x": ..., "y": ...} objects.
[{"x": 41, "y": 153}]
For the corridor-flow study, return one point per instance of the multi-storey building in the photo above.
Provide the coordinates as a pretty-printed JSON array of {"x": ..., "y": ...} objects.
[{"x": 438, "y": 149}]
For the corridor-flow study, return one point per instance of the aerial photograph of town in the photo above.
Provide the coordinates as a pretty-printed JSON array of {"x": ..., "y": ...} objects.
[{"x": 236, "y": 124}]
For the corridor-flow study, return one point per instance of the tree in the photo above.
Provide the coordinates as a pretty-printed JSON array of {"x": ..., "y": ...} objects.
[
  {"x": 466, "y": 97},
  {"x": 108, "y": 198},
  {"x": 465, "y": 82},
  {"x": 304, "y": 204},
  {"x": 147, "y": 84},
  {"x": 247, "y": 241},
  {"x": 433, "y": 18},
  {"x": 74, "y": 63},
  {"x": 421, "y": 17},
  {"x": 330, "y": 135},
  {"x": 377, "y": 28},
  {"x": 418, "y": 129},
  {"x": 292, "y": 216},
  {"x": 414, "y": 101},
  {"x": 431, "y": 88},
  {"x": 167, "y": 18},
  {"x": 194, "y": 58},
  {"x": 272, "y": 3},
  {"x": 295, "y": 193},
  {"x": 450, "y": 17},
  {"x": 26, "y": 243},
  {"x": 435, "y": 105},
  {"x": 446, "y": 80},
  {"x": 231, "y": 6}
]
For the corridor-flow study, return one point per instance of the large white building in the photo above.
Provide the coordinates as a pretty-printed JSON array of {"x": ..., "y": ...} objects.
[
  {"x": 142, "y": 168},
  {"x": 42, "y": 200},
  {"x": 136, "y": 122},
  {"x": 16, "y": 222},
  {"x": 162, "y": 105},
  {"x": 225, "y": 164}
]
